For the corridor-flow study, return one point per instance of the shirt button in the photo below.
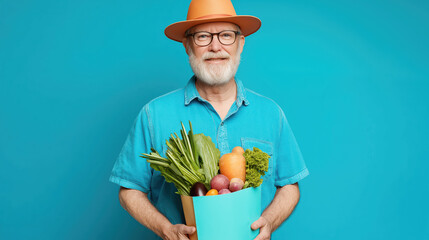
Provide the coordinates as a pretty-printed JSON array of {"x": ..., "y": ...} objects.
[{"x": 221, "y": 124}]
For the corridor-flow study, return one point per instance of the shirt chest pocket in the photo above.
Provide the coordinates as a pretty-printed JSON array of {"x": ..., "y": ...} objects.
[{"x": 265, "y": 146}]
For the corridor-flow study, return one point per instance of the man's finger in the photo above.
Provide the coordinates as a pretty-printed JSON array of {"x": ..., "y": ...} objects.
[
  {"x": 187, "y": 229},
  {"x": 258, "y": 223},
  {"x": 263, "y": 236}
]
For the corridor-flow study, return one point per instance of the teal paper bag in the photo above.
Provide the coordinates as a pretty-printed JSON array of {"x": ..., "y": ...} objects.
[{"x": 226, "y": 216}]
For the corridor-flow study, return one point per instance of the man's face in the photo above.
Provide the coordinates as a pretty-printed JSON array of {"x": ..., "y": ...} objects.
[{"x": 214, "y": 64}]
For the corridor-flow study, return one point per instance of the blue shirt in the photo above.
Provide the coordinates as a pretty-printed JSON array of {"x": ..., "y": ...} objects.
[{"x": 252, "y": 121}]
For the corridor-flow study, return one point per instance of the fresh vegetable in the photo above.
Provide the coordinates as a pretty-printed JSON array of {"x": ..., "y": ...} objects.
[
  {"x": 192, "y": 159},
  {"x": 198, "y": 189},
  {"x": 233, "y": 165},
  {"x": 212, "y": 192},
  {"x": 235, "y": 186},
  {"x": 238, "y": 149},
  {"x": 208, "y": 155},
  {"x": 219, "y": 182},
  {"x": 224, "y": 191},
  {"x": 256, "y": 166},
  {"x": 237, "y": 180}
]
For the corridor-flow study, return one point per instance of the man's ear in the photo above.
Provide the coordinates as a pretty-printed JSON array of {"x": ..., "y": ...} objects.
[
  {"x": 241, "y": 43},
  {"x": 185, "y": 44}
]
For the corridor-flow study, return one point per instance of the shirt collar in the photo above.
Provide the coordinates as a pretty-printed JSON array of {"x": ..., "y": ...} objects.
[
  {"x": 191, "y": 93},
  {"x": 241, "y": 93}
]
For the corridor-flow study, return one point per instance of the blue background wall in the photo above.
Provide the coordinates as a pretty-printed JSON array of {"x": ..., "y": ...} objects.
[{"x": 352, "y": 77}]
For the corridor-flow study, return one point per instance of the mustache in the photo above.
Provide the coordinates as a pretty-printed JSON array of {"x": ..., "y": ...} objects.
[{"x": 209, "y": 55}]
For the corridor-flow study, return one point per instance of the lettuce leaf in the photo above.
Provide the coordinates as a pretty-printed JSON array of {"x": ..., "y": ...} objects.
[{"x": 208, "y": 155}]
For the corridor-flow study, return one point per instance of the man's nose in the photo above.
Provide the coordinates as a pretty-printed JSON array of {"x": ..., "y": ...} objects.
[{"x": 215, "y": 45}]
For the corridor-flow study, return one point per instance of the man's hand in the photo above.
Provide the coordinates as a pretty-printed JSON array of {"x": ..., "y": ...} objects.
[
  {"x": 177, "y": 232},
  {"x": 264, "y": 228},
  {"x": 139, "y": 206},
  {"x": 278, "y": 211}
]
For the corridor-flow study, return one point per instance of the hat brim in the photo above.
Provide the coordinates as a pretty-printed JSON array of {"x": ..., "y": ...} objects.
[{"x": 247, "y": 24}]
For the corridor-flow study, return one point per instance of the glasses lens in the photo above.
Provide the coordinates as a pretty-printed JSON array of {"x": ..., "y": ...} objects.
[
  {"x": 202, "y": 38},
  {"x": 227, "y": 37}
]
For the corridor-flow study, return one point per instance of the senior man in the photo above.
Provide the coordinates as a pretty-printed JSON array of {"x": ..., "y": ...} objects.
[{"x": 219, "y": 106}]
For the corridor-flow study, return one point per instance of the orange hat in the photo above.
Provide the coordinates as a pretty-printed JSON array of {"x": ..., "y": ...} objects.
[{"x": 205, "y": 11}]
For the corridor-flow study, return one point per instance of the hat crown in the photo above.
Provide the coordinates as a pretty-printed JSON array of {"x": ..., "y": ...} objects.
[{"x": 200, "y": 9}]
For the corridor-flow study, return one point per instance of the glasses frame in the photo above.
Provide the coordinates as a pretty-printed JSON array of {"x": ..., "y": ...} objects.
[{"x": 237, "y": 33}]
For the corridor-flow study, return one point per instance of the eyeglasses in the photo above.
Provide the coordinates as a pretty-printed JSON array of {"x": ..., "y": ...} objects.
[{"x": 203, "y": 39}]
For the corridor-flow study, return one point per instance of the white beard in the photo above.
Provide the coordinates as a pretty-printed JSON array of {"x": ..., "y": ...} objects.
[{"x": 214, "y": 74}]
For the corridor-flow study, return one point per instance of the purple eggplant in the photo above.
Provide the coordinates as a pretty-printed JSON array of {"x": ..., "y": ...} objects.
[{"x": 198, "y": 189}]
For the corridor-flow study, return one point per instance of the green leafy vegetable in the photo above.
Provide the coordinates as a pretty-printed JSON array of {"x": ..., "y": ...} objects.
[
  {"x": 256, "y": 166},
  {"x": 168, "y": 170},
  {"x": 209, "y": 155},
  {"x": 192, "y": 159}
]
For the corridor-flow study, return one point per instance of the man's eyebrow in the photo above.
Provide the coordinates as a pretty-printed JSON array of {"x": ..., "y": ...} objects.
[
  {"x": 215, "y": 32},
  {"x": 193, "y": 29}
]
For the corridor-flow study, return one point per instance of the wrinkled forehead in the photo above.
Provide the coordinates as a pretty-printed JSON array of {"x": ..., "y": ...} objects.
[{"x": 214, "y": 27}]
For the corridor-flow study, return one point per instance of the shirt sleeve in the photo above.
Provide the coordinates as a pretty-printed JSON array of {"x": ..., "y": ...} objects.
[
  {"x": 131, "y": 170},
  {"x": 290, "y": 167}
]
